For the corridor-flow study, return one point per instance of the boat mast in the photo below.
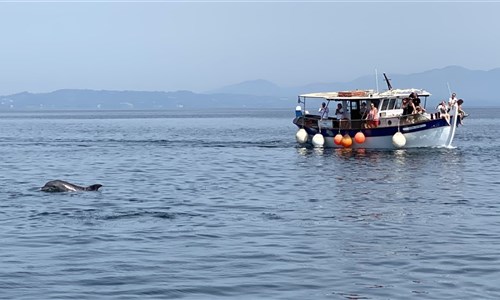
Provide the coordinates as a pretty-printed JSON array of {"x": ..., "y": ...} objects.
[{"x": 389, "y": 86}]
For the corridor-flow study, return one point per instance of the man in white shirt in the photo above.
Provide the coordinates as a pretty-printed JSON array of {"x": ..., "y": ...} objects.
[
  {"x": 339, "y": 112},
  {"x": 323, "y": 110},
  {"x": 453, "y": 100}
]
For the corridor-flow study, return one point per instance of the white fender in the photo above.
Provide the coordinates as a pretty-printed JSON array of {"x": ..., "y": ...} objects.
[
  {"x": 398, "y": 140},
  {"x": 318, "y": 140},
  {"x": 301, "y": 136}
]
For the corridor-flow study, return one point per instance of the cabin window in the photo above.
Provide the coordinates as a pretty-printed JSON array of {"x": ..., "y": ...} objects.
[
  {"x": 392, "y": 103},
  {"x": 398, "y": 103},
  {"x": 385, "y": 104}
]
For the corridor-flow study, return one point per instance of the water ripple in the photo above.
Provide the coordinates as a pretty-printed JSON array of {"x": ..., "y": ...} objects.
[{"x": 223, "y": 207}]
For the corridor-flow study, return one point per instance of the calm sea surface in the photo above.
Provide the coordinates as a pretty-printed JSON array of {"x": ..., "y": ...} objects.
[{"x": 225, "y": 205}]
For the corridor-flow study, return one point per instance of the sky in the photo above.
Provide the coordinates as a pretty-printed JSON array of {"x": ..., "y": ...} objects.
[{"x": 205, "y": 45}]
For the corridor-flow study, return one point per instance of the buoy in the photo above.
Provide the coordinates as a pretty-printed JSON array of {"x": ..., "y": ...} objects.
[
  {"x": 337, "y": 139},
  {"x": 318, "y": 140},
  {"x": 359, "y": 138},
  {"x": 301, "y": 136},
  {"x": 346, "y": 141},
  {"x": 398, "y": 140}
]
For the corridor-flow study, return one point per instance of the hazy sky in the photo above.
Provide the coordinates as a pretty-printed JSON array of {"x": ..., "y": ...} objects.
[{"x": 198, "y": 46}]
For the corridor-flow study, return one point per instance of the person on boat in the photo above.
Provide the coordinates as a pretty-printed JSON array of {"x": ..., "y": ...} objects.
[
  {"x": 404, "y": 106},
  {"x": 339, "y": 112},
  {"x": 443, "y": 111},
  {"x": 324, "y": 110},
  {"x": 363, "y": 110},
  {"x": 452, "y": 101},
  {"x": 408, "y": 106},
  {"x": 415, "y": 99},
  {"x": 418, "y": 108},
  {"x": 342, "y": 116},
  {"x": 461, "y": 112},
  {"x": 373, "y": 117}
]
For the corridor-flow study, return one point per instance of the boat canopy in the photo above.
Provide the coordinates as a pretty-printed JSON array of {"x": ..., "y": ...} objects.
[{"x": 366, "y": 94}]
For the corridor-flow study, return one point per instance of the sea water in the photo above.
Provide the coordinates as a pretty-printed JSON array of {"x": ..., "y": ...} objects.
[{"x": 225, "y": 205}]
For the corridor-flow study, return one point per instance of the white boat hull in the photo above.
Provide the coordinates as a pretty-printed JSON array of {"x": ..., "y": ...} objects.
[{"x": 435, "y": 137}]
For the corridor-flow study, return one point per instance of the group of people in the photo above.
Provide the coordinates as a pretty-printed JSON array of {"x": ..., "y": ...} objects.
[
  {"x": 371, "y": 115},
  {"x": 444, "y": 108},
  {"x": 339, "y": 112},
  {"x": 411, "y": 105}
]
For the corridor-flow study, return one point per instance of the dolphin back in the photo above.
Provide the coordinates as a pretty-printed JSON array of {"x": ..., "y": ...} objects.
[{"x": 64, "y": 186}]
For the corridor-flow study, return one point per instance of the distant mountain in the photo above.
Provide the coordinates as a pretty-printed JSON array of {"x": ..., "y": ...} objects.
[
  {"x": 91, "y": 99},
  {"x": 475, "y": 87},
  {"x": 259, "y": 87}
]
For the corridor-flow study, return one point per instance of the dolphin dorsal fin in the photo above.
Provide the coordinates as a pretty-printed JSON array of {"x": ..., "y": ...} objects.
[{"x": 93, "y": 187}]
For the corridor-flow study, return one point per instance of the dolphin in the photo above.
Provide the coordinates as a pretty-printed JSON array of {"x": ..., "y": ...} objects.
[{"x": 63, "y": 186}]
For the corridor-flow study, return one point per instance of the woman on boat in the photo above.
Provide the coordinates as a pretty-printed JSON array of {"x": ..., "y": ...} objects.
[
  {"x": 408, "y": 106},
  {"x": 443, "y": 111},
  {"x": 373, "y": 117}
]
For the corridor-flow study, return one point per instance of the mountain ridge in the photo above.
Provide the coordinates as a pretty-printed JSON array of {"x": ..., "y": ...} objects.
[{"x": 474, "y": 86}]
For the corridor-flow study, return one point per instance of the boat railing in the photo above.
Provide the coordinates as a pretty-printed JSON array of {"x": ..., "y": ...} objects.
[{"x": 315, "y": 121}]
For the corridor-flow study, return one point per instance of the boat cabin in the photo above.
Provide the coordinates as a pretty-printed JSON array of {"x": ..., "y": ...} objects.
[{"x": 356, "y": 105}]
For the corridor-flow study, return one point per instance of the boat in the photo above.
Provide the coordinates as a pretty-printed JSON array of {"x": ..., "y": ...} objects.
[{"x": 395, "y": 129}]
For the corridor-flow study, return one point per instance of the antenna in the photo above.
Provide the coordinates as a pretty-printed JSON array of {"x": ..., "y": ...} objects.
[
  {"x": 376, "y": 79},
  {"x": 449, "y": 90}
]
